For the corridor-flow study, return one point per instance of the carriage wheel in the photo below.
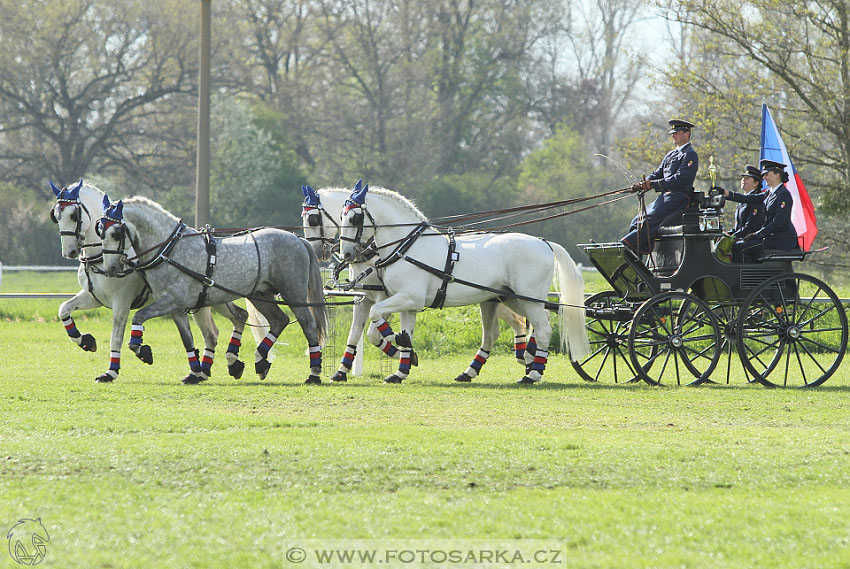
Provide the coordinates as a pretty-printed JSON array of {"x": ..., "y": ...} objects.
[
  {"x": 734, "y": 369},
  {"x": 684, "y": 334},
  {"x": 792, "y": 327},
  {"x": 609, "y": 357}
]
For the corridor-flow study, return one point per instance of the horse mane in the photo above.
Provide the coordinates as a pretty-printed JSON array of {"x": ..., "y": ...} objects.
[
  {"x": 142, "y": 201},
  {"x": 380, "y": 191}
]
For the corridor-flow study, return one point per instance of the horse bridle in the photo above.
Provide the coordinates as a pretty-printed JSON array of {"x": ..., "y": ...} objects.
[
  {"x": 358, "y": 221},
  {"x": 77, "y": 233},
  {"x": 315, "y": 215}
]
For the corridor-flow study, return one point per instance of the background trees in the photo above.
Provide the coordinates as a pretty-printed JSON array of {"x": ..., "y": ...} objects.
[{"x": 463, "y": 105}]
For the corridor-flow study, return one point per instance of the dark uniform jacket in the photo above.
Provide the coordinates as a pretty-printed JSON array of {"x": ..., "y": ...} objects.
[
  {"x": 749, "y": 217},
  {"x": 777, "y": 232},
  {"x": 677, "y": 171}
]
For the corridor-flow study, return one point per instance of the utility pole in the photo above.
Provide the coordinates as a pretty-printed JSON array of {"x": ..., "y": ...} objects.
[{"x": 202, "y": 176}]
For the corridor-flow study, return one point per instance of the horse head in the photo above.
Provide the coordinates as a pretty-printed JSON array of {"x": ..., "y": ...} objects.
[
  {"x": 313, "y": 217},
  {"x": 73, "y": 218},
  {"x": 352, "y": 219},
  {"x": 114, "y": 236}
]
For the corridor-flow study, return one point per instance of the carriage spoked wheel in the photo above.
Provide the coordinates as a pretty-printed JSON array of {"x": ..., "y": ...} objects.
[
  {"x": 609, "y": 356},
  {"x": 792, "y": 331},
  {"x": 684, "y": 336},
  {"x": 734, "y": 369}
]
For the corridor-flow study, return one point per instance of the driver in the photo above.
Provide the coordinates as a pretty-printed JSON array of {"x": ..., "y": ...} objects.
[{"x": 674, "y": 179}]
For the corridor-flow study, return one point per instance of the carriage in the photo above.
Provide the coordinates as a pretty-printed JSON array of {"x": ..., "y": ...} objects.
[{"x": 686, "y": 315}]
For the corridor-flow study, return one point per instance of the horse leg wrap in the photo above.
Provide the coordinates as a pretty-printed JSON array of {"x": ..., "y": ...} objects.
[
  {"x": 385, "y": 344},
  {"x": 142, "y": 352},
  {"x": 535, "y": 374},
  {"x": 207, "y": 362},
  {"x": 475, "y": 367},
  {"x": 85, "y": 341},
  {"x": 71, "y": 329},
  {"x": 232, "y": 353},
  {"x": 265, "y": 347},
  {"x": 519, "y": 348},
  {"x": 346, "y": 364},
  {"x": 316, "y": 359},
  {"x": 261, "y": 362},
  {"x": 528, "y": 356},
  {"x": 114, "y": 366},
  {"x": 194, "y": 364},
  {"x": 403, "y": 367},
  {"x": 234, "y": 366}
]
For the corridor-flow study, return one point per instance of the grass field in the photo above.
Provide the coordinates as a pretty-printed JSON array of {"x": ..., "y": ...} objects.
[{"x": 147, "y": 472}]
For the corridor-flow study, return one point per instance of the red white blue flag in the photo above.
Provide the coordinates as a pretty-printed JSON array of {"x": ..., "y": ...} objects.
[{"x": 803, "y": 213}]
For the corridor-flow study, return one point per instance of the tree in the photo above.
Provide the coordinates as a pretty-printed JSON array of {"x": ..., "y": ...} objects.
[
  {"x": 562, "y": 169},
  {"x": 87, "y": 84},
  {"x": 793, "y": 55},
  {"x": 254, "y": 177}
]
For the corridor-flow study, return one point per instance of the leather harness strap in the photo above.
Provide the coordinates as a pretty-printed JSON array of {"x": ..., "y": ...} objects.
[
  {"x": 451, "y": 258},
  {"x": 207, "y": 281}
]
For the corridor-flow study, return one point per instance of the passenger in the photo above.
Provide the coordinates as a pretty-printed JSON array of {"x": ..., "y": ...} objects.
[
  {"x": 778, "y": 232},
  {"x": 674, "y": 178},
  {"x": 749, "y": 217}
]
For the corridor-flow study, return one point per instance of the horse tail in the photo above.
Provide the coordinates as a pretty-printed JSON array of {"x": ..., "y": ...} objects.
[
  {"x": 258, "y": 324},
  {"x": 316, "y": 294},
  {"x": 571, "y": 316}
]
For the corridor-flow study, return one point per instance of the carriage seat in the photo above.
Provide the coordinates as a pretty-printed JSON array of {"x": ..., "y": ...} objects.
[
  {"x": 669, "y": 249},
  {"x": 780, "y": 255},
  {"x": 676, "y": 224}
]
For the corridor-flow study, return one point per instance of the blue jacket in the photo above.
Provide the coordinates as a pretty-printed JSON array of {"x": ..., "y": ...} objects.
[
  {"x": 749, "y": 217},
  {"x": 677, "y": 171},
  {"x": 778, "y": 232}
]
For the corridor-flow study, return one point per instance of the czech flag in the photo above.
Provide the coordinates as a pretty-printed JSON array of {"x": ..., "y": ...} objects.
[{"x": 803, "y": 212}]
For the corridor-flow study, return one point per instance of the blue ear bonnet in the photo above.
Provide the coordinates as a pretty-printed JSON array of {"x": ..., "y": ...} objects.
[
  {"x": 357, "y": 197},
  {"x": 67, "y": 195},
  {"x": 311, "y": 198},
  {"x": 112, "y": 214}
]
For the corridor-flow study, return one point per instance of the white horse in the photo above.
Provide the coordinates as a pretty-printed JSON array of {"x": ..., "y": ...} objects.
[
  {"x": 320, "y": 213},
  {"x": 76, "y": 210},
  {"x": 187, "y": 269},
  {"x": 418, "y": 267}
]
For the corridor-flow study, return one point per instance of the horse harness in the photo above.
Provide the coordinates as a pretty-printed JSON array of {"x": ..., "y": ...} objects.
[{"x": 452, "y": 257}]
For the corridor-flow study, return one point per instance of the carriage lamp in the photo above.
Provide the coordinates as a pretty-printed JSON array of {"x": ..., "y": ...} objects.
[{"x": 709, "y": 223}]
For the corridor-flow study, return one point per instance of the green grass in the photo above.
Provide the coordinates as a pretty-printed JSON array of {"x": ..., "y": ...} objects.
[{"x": 147, "y": 472}]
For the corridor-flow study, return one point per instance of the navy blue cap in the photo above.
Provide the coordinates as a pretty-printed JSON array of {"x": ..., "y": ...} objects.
[
  {"x": 753, "y": 172},
  {"x": 678, "y": 125},
  {"x": 768, "y": 165}
]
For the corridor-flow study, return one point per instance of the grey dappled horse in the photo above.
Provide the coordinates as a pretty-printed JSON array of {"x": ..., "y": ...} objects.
[
  {"x": 184, "y": 274},
  {"x": 76, "y": 210}
]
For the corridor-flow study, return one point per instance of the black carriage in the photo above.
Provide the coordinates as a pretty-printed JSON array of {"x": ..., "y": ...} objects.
[{"x": 685, "y": 312}]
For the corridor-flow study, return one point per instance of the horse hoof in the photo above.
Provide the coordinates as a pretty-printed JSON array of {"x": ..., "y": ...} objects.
[
  {"x": 403, "y": 339},
  {"x": 145, "y": 354},
  {"x": 235, "y": 369},
  {"x": 527, "y": 381},
  {"x": 339, "y": 376},
  {"x": 393, "y": 379},
  {"x": 414, "y": 359},
  {"x": 313, "y": 380},
  {"x": 262, "y": 368},
  {"x": 88, "y": 343},
  {"x": 104, "y": 378},
  {"x": 463, "y": 378},
  {"x": 193, "y": 379}
]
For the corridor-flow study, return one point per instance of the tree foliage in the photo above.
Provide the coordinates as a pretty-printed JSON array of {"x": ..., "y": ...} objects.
[
  {"x": 793, "y": 55},
  {"x": 84, "y": 82}
]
